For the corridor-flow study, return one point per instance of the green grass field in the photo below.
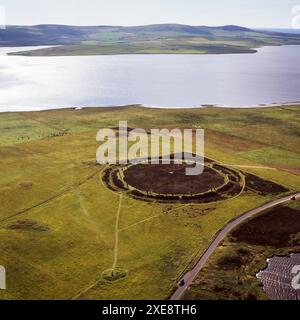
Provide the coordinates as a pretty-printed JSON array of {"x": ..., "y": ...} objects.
[{"x": 62, "y": 230}]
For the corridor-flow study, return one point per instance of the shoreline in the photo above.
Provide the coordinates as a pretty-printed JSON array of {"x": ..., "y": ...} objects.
[
  {"x": 80, "y": 108},
  {"x": 25, "y": 51}
]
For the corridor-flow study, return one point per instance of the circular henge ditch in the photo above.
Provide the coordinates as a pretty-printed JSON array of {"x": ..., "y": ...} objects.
[{"x": 169, "y": 182}]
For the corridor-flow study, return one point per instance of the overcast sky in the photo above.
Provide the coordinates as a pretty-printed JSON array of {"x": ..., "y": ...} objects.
[{"x": 249, "y": 13}]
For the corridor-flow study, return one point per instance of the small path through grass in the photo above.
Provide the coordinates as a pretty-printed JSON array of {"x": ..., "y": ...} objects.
[
  {"x": 116, "y": 250},
  {"x": 242, "y": 165}
]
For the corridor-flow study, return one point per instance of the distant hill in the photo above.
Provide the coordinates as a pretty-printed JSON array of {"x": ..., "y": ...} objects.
[
  {"x": 282, "y": 30},
  {"x": 157, "y": 38}
]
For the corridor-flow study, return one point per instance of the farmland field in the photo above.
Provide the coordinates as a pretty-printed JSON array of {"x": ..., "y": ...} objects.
[{"x": 66, "y": 235}]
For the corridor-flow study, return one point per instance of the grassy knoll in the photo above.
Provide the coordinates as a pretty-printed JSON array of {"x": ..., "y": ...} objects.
[{"x": 59, "y": 223}]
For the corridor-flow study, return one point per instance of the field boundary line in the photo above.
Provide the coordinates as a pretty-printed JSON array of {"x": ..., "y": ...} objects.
[{"x": 140, "y": 222}]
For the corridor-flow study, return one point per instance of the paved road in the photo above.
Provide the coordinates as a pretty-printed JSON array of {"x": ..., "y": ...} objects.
[{"x": 191, "y": 275}]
